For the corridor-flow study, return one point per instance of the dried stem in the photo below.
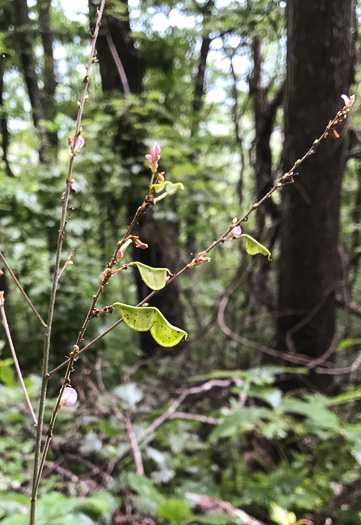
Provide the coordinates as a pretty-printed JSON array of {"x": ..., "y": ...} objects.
[
  {"x": 22, "y": 290},
  {"x": 66, "y": 264},
  {"x": 16, "y": 362},
  {"x": 134, "y": 444}
]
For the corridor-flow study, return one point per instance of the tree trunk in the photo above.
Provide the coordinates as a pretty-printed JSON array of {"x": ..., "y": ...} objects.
[
  {"x": 264, "y": 110},
  {"x": 25, "y": 45},
  {"x": 47, "y": 38},
  {"x": 197, "y": 107},
  {"x": 319, "y": 70},
  {"x": 4, "y": 125}
]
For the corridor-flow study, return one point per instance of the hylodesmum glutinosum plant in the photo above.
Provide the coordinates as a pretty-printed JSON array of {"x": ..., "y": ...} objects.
[{"x": 141, "y": 317}]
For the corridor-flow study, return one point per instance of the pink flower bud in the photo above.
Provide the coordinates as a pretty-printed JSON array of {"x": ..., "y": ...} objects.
[
  {"x": 237, "y": 231},
  {"x": 69, "y": 397},
  {"x": 154, "y": 156},
  {"x": 119, "y": 255},
  {"x": 348, "y": 100},
  {"x": 79, "y": 144}
]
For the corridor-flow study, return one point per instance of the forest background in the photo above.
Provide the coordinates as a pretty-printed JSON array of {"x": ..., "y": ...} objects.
[{"x": 255, "y": 417}]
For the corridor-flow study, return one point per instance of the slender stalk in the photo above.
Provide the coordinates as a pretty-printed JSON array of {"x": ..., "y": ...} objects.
[
  {"x": 65, "y": 200},
  {"x": 49, "y": 433},
  {"x": 97, "y": 295},
  {"x": 16, "y": 362},
  {"x": 66, "y": 264},
  {"x": 287, "y": 178},
  {"x": 22, "y": 290}
]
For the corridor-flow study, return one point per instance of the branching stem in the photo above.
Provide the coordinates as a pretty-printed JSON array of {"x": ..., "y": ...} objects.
[
  {"x": 13, "y": 353},
  {"x": 22, "y": 290},
  {"x": 287, "y": 178},
  {"x": 64, "y": 216}
]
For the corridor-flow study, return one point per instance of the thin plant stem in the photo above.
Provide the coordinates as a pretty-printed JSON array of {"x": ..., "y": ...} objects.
[
  {"x": 66, "y": 264},
  {"x": 49, "y": 433},
  {"x": 287, "y": 178},
  {"x": 63, "y": 221},
  {"x": 22, "y": 290},
  {"x": 16, "y": 362},
  {"x": 118, "y": 63},
  {"x": 110, "y": 265}
]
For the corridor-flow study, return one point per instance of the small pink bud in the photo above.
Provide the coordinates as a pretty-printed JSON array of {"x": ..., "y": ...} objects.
[
  {"x": 119, "y": 255},
  {"x": 69, "y": 397},
  {"x": 348, "y": 100},
  {"x": 201, "y": 258},
  {"x": 237, "y": 231},
  {"x": 79, "y": 144},
  {"x": 154, "y": 156},
  {"x": 155, "y": 149}
]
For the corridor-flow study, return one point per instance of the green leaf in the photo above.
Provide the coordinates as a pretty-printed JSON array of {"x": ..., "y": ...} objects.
[
  {"x": 146, "y": 318},
  {"x": 168, "y": 187},
  {"x": 56, "y": 509},
  {"x": 354, "y": 436},
  {"x": 346, "y": 343},
  {"x": 145, "y": 488},
  {"x": 155, "y": 278},
  {"x": 343, "y": 398},
  {"x": 253, "y": 247},
  {"x": 314, "y": 410},
  {"x": 6, "y": 372},
  {"x": 139, "y": 319},
  {"x": 164, "y": 333},
  {"x": 238, "y": 423},
  {"x": 281, "y": 516},
  {"x": 11, "y": 503},
  {"x": 175, "y": 510}
]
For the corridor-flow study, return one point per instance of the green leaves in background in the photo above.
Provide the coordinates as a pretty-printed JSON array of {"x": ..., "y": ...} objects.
[
  {"x": 145, "y": 488},
  {"x": 238, "y": 423},
  {"x": 314, "y": 409},
  {"x": 281, "y": 516},
  {"x": 347, "y": 343},
  {"x": 57, "y": 509},
  {"x": 253, "y": 247},
  {"x": 155, "y": 278},
  {"x": 176, "y": 511},
  {"x": 6, "y": 372},
  {"x": 146, "y": 318}
]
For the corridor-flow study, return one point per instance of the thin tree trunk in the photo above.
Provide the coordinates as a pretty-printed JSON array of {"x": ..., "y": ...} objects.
[
  {"x": 197, "y": 106},
  {"x": 4, "y": 125},
  {"x": 47, "y": 38},
  {"x": 264, "y": 110},
  {"x": 25, "y": 45}
]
